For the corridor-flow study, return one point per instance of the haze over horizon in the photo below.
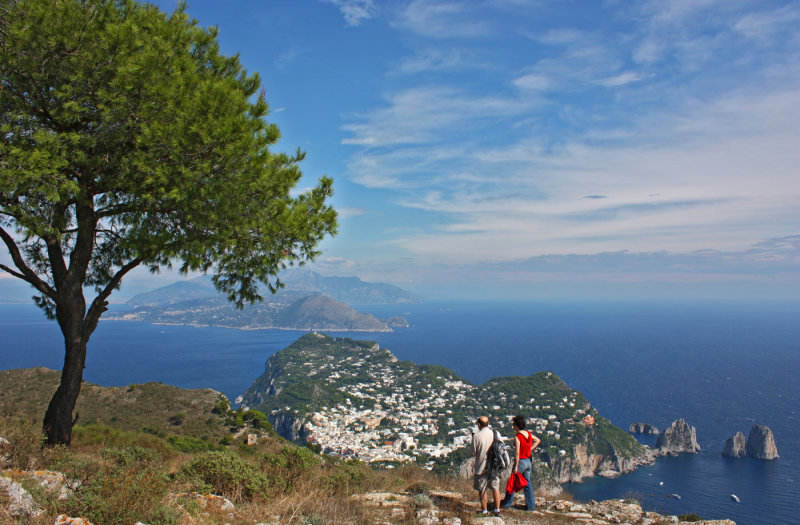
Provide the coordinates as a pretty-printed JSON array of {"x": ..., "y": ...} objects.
[{"x": 530, "y": 149}]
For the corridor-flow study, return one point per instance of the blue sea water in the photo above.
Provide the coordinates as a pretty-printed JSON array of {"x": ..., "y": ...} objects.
[{"x": 720, "y": 366}]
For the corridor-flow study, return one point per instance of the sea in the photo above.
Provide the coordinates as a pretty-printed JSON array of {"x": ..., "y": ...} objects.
[{"x": 722, "y": 366}]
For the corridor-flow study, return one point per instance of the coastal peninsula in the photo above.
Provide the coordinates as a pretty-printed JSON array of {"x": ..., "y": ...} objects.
[{"x": 355, "y": 399}]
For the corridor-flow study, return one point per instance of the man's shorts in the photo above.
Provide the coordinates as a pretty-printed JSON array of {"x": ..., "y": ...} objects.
[{"x": 482, "y": 482}]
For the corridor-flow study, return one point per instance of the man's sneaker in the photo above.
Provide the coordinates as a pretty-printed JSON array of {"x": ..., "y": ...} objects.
[{"x": 496, "y": 512}]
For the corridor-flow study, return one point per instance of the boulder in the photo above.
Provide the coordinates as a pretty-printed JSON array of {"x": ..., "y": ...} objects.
[
  {"x": 20, "y": 504},
  {"x": 678, "y": 438},
  {"x": 5, "y": 452},
  {"x": 761, "y": 443},
  {"x": 735, "y": 446},
  {"x": 643, "y": 428},
  {"x": 63, "y": 519}
]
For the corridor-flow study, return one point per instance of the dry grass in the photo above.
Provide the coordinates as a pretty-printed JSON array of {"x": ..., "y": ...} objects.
[{"x": 302, "y": 487}]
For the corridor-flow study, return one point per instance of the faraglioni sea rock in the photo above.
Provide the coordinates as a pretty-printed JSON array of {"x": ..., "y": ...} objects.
[
  {"x": 761, "y": 443},
  {"x": 677, "y": 438},
  {"x": 643, "y": 428},
  {"x": 735, "y": 446}
]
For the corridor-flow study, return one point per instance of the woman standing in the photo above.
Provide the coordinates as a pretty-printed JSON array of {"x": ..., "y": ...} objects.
[{"x": 524, "y": 443}]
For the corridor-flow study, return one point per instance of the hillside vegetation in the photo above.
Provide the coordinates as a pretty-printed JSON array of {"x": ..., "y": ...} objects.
[
  {"x": 174, "y": 471},
  {"x": 150, "y": 407}
]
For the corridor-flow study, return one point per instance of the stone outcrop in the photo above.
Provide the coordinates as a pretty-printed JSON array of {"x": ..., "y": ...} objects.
[
  {"x": 5, "y": 452},
  {"x": 20, "y": 503},
  {"x": 761, "y": 443},
  {"x": 580, "y": 464},
  {"x": 289, "y": 425},
  {"x": 63, "y": 519},
  {"x": 54, "y": 483},
  {"x": 735, "y": 446},
  {"x": 643, "y": 428},
  {"x": 446, "y": 508},
  {"x": 677, "y": 439}
]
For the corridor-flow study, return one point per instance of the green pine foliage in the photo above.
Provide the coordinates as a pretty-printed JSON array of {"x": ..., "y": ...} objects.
[{"x": 129, "y": 140}]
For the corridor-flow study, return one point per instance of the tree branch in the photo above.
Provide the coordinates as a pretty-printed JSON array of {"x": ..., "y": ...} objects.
[
  {"x": 99, "y": 304},
  {"x": 25, "y": 273}
]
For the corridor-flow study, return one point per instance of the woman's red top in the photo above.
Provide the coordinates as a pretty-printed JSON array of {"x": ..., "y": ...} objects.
[{"x": 525, "y": 443}]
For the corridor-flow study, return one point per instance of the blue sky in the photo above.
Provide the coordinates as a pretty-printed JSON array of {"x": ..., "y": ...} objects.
[{"x": 532, "y": 149}]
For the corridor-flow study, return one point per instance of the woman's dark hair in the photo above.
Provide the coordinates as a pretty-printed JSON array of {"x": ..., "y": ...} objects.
[{"x": 519, "y": 421}]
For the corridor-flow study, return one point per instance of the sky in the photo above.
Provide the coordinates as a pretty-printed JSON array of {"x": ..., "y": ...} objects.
[{"x": 527, "y": 149}]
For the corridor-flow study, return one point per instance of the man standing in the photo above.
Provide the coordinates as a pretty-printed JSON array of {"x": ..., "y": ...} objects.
[{"x": 483, "y": 477}]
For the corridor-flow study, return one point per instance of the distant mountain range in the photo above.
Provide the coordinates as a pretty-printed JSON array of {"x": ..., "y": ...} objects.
[
  {"x": 308, "y": 302},
  {"x": 299, "y": 283}
]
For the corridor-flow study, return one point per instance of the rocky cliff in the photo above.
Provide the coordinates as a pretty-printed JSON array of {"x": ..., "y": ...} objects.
[
  {"x": 761, "y": 443},
  {"x": 677, "y": 438},
  {"x": 643, "y": 428},
  {"x": 584, "y": 462},
  {"x": 735, "y": 446}
]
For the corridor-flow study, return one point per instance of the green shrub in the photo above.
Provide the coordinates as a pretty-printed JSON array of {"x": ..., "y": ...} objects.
[
  {"x": 122, "y": 487},
  {"x": 226, "y": 474},
  {"x": 421, "y": 501},
  {"x": 419, "y": 487},
  {"x": 177, "y": 419},
  {"x": 346, "y": 478},
  {"x": 690, "y": 517},
  {"x": 25, "y": 441},
  {"x": 256, "y": 419},
  {"x": 189, "y": 445},
  {"x": 289, "y": 465}
]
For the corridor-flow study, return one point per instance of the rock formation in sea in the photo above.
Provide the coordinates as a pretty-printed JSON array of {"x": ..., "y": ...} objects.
[
  {"x": 643, "y": 428},
  {"x": 735, "y": 446},
  {"x": 677, "y": 438},
  {"x": 761, "y": 443}
]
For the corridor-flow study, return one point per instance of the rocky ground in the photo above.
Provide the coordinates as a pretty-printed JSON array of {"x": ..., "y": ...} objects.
[
  {"x": 422, "y": 506},
  {"x": 452, "y": 508}
]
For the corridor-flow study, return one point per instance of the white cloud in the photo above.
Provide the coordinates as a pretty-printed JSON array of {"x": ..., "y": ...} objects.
[
  {"x": 441, "y": 19},
  {"x": 719, "y": 175},
  {"x": 417, "y": 115},
  {"x": 621, "y": 79},
  {"x": 561, "y": 37},
  {"x": 533, "y": 81},
  {"x": 435, "y": 60},
  {"x": 346, "y": 212},
  {"x": 355, "y": 11}
]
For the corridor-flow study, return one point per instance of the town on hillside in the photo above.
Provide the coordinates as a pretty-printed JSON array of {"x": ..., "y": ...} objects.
[{"x": 353, "y": 399}]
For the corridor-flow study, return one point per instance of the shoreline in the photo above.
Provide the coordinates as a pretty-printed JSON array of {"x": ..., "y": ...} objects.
[{"x": 251, "y": 328}]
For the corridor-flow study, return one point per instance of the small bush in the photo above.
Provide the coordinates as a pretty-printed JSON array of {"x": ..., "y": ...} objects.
[
  {"x": 122, "y": 487},
  {"x": 189, "y": 445},
  {"x": 690, "y": 517},
  {"x": 346, "y": 478},
  {"x": 289, "y": 465},
  {"x": 177, "y": 419},
  {"x": 419, "y": 487},
  {"x": 421, "y": 501},
  {"x": 226, "y": 474},
  {"x": 25, "y": 441},
  {"x": 99, "y": 435}
]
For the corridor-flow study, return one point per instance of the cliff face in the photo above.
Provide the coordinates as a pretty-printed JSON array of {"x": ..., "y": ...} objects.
[
  {"x": 643, "y": 428},
  {"x": 735, "y": 446},
  {"x": 289, "y": 425},
  {"x": 678, "y": 438},
  {"x": 761, "y": 443},
  {"x": 582, "y": 463}
]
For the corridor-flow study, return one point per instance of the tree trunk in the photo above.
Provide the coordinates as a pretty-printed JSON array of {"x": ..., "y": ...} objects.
[{"x": 58, "y": 420}]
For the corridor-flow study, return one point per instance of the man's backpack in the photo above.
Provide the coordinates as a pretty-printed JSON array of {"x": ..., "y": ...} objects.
[{"x": 497, "y": 456}]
